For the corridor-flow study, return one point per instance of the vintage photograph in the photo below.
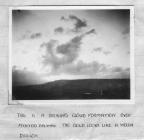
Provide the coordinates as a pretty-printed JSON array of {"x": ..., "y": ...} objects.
[{"x": 71, "y": 53}]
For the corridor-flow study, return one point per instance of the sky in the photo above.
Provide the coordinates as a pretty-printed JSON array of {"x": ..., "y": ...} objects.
[{"x": 50, "y": 45}]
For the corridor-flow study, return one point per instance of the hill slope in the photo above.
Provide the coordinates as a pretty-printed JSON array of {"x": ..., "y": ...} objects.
[{"x": 75, "y": 89}]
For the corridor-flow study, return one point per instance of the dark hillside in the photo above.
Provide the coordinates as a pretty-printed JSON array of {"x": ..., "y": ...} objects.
[{"x": 75, "y": 89}]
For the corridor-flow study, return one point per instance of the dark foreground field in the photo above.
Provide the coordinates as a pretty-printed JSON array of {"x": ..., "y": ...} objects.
[{"x": 75, "y": 89}]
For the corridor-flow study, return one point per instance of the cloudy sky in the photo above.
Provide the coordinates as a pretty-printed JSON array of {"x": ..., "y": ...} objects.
[{"x": 50, "y": 45}]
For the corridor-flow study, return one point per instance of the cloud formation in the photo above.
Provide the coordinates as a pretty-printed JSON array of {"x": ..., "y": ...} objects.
[
  {"x": 107, "y": 52},
  {"x": 61, "y": 58},
  {"x": 29, "y": 35},
  {"x": 119, "y": 72},
  {"x": 92, "y": 70},
  {"x": 98, "y": 49},
  {"x": 57, "y": 55},
  {"x": 79, "y": 23},
  {"x": 92, "y": 31},
  {"x": 59, "y": 30},
  {"x": 81, "y": 68},
  {"x": 35, "y": 35},
  {"x": 96, "y": 70},
  {"x": 72, "y": 57}
]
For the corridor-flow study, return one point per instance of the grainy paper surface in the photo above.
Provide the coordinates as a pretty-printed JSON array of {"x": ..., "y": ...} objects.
[{"x": 13, "y": 115}]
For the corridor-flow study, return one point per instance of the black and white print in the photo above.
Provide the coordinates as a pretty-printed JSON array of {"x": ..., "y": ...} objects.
[{"x": 71, "y": 54}]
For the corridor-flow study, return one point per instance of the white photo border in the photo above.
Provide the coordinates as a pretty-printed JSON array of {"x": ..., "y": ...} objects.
[{"x": 74, "y": 102}]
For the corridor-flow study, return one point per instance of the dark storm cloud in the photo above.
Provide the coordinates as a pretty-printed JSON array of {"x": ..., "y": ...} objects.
[
  {"x": 59, "y": 30},
  {"x": 24, "y": 77}
]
